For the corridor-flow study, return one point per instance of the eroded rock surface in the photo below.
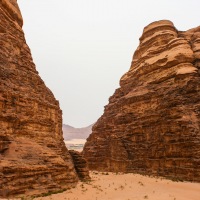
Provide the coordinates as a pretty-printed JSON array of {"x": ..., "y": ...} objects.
[
  {"x": 33, "y": 156},
  {"x": 152, "y": 122},
  {"x": 80, "y": 165}
]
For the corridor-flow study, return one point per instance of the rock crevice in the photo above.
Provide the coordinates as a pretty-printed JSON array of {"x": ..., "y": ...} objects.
[{"x": 80, "y": 165}]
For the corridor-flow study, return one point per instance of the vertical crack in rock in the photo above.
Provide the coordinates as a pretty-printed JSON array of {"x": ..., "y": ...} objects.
[
  {"x": 80, "y": 165},
  {"x": 33, "y": 156},
  {"x": 152, "y": 122}
]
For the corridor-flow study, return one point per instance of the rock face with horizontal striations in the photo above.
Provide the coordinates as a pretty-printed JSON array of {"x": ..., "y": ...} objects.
[
  {"x": 152, "y": 122},
  {"x": 33, "y": 156}
]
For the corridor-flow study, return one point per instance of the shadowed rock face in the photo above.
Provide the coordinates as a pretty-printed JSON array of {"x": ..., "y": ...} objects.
[
  {"x": 80, "y": 165},
  {"x": 33, "y": 156},
  {"x": 152, "y": 122}
]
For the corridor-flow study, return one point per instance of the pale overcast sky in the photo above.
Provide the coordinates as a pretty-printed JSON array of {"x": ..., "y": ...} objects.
[{"x": 81, "y": 48}]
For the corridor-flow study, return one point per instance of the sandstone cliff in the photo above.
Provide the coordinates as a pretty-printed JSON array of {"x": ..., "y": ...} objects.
[
  {"x": 33, "y": 156},
  {"x": 152, "y": 122}
]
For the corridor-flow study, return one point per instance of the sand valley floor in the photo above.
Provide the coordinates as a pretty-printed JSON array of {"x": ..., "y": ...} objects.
[{"x": 112, "y": 186}]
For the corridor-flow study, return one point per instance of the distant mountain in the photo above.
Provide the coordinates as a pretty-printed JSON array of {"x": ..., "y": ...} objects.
[{"x": 70, "y": 132}]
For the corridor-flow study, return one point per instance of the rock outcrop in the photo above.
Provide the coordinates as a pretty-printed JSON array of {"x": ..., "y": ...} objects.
[
  {"x": 80, "y": 165},
  {"x": 152, "y": 122},
  {"x": 33, "y": 156}
]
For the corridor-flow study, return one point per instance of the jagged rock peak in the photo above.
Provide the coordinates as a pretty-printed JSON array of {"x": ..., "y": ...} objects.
[
  {"x": 152, "y": 122},
  {"x": 11, "y": 8},
  {"x": 162, "y": 25}
]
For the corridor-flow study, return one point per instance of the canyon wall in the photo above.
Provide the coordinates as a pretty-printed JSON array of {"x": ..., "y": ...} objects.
[
  {"x": 152, "y": 122},
  {"x": 33, "y": 156}
]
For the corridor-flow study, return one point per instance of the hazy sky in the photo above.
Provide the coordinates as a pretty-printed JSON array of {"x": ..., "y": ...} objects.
[{"x": 81, "y": 48}]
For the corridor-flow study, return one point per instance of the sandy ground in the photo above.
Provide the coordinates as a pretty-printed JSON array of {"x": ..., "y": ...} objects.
[
  {"x": 129, "y": 187},
  {"x": 71, "y": 144}
]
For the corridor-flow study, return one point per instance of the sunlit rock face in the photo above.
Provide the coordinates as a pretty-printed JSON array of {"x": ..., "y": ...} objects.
[
  {"x": 152, "y": 122},
  {"x": 33, "y": 156}
]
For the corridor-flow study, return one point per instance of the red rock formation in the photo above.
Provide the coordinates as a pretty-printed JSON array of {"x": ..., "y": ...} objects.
[
  {"x": 152, "y": 122},
  {"x": 33, "y": 156},
  {"x": 80, "y": 165}
]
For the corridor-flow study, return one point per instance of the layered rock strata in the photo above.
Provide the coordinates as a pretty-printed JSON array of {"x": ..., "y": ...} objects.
[
  {"x": 152, "y": 122},
  {"x": 33, "y": 156},
  {"x": 80, "y": 165}
]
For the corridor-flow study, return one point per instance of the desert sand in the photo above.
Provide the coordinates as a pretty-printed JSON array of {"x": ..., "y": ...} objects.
[{"x": 105, "y": 186}]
